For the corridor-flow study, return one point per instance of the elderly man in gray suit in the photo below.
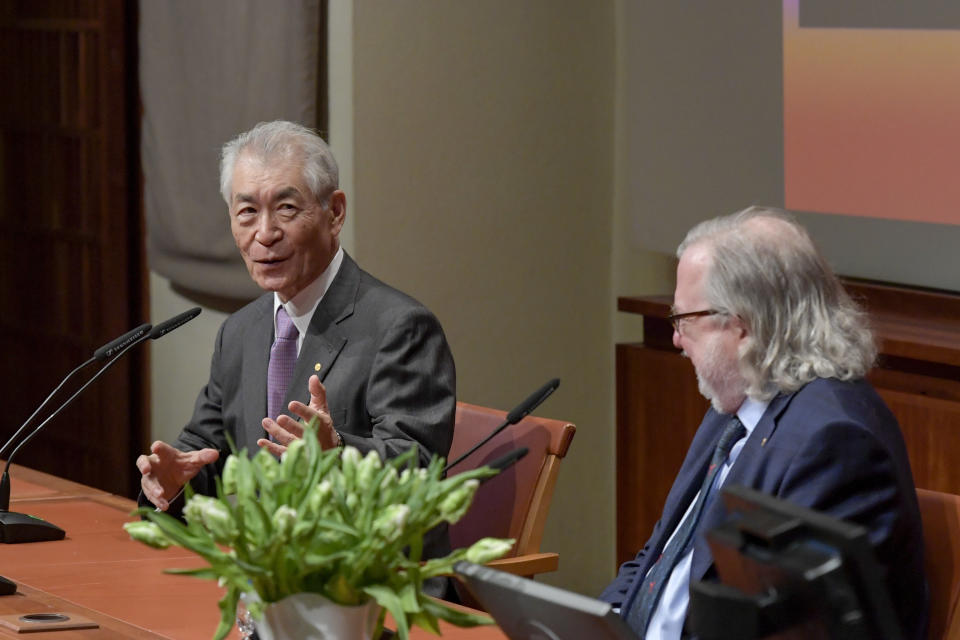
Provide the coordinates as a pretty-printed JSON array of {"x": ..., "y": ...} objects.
[{"x": 328, "y": 340}]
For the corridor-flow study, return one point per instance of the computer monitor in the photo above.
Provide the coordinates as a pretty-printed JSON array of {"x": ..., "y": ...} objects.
[
  {"x": 528, "y": 610},
  {"x": 788, "y": 572}
]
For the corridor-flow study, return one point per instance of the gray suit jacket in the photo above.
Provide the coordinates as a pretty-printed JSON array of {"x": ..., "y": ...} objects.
[{"x": 381, "y": 355}]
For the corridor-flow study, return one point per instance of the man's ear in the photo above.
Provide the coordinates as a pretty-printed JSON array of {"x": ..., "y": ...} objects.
[
  {"x": 741, "y": 326},
  {"x": 338, "y": 210}
]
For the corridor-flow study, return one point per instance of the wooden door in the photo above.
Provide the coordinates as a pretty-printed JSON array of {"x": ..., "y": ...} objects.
[{"x": 71, "y": 266}]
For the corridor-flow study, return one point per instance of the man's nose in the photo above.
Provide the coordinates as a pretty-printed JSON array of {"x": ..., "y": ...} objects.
[
  {"x": 676, "y": 339},
  {"x": 268, "y": 231}
]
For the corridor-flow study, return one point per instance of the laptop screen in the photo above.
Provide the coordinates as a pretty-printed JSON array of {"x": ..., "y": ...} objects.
[{"x": 528, "y": 610}]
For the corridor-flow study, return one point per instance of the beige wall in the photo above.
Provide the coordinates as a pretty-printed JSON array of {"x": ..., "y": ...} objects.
[
  {"x": 633, "y": 270},
  {"x": 180, "y": 362},
  {"x": 477, "y": 140},
  {"x": 483, "y": 159}
]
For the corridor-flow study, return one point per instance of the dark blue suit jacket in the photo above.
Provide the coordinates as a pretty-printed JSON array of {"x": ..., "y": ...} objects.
[{"x": 832, "y": 446}]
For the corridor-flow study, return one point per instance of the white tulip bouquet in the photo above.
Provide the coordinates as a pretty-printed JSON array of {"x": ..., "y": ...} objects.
[{"x": 330, "y": 522}]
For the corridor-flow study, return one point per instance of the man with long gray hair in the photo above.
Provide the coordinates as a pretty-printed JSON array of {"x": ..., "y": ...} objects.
[{"x": 781, "y": 352}]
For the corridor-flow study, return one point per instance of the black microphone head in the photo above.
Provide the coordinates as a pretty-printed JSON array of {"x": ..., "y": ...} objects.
[
  {"x": 533, "y": 401},
  {"x": 505, "y": 461},
  {"x": 115, "y": 346},
  {"x": 508, "y": 459},
  {"x": 175, "y": 322}
]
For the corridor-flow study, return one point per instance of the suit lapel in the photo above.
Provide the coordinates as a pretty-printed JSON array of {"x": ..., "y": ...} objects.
[
  {"x": 256, "y": 356},
  {"x": 324, "y": 341},
  {"x": 743, "y": 471}
]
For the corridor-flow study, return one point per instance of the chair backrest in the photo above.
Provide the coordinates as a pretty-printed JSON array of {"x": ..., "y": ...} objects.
[
  {"x": 941, "y": 538},
  {"x": 515, "y": 503}
]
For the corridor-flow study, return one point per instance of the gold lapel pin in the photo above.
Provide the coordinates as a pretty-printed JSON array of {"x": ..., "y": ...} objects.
[
  {"x": 317, "y": 367},
  {"x": 763, "y": 442}
]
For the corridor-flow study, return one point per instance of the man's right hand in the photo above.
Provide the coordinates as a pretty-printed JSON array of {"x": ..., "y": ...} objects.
[{"x": 166, "y": 470}]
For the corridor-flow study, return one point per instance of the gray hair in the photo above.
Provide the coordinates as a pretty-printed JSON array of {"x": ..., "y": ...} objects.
[
  {"x": 284, "y": 140},
  {"x": 800, "y": 321}
]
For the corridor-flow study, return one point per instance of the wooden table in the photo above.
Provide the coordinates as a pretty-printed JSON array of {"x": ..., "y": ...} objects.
[{"x": 99, "y": 573}]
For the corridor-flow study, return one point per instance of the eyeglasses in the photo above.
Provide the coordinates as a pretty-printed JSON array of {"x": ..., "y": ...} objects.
[{"x": 677, "y": 318}]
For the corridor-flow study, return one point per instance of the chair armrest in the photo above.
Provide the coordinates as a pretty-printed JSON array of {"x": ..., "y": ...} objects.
[{"x": 527, "y": 565}]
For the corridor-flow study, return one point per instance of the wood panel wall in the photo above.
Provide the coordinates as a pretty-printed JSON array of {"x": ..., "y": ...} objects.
[{"x": 72, "y": 276}]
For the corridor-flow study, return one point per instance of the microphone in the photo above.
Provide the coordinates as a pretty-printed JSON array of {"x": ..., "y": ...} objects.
[
  {"x": 506, "y": 461},
  {"x": 100, "y": 354},
  {"x": 114, "y": 346},
  {"x": 533, "y": 401},
  {"x": 175, "y": 322},
  {"x": 18, "y": 527},
  {"x": 519, "y": 412}
]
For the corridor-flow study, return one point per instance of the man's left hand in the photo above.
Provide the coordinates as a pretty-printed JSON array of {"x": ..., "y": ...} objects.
[{"x": 285, "y": 429}]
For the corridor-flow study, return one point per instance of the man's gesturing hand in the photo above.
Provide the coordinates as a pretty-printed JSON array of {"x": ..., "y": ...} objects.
[
  {"x": 285, "y": 429},
  {"x": 166, "y": 470}
]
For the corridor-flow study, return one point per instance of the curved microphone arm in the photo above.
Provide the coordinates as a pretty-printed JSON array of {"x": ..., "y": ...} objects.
[
  {"x": 16, "y": 435},
  {"x": 130, "y": 337},
  {"x": 519, "y": 412},
  {"x": 86, "y": 384},
  {"x": 19, "y": 527}
]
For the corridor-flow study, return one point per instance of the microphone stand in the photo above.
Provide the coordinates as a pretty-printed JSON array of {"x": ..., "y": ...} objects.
[
  {"x": 518, "y": 413},
  {"x": 20, "y": 527}
]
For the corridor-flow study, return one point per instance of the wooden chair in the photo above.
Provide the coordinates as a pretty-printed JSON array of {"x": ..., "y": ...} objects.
[
  {"x": 515, "y": 503},
  {"x": 941, "y": 538}
]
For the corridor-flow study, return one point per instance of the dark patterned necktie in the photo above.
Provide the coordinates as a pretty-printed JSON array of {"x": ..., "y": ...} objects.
[
  {"x": 283, "y": 358},
  {"x": 641, "y": 609}
]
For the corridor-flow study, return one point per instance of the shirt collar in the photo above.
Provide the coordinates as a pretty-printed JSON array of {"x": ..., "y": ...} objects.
[
  {"x": 300, "y": 307},
  {"x": 750, "y": 413}
]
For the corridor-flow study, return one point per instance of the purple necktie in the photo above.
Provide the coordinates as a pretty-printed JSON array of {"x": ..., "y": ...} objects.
[{"x": 283, "y": 357}]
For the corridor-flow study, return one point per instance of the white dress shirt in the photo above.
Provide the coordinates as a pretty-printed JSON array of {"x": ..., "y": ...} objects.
[{"x": 300, "y": 307}]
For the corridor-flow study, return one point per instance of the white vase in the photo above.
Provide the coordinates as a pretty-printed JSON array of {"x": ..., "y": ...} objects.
[{"x": 310, "y": 616}]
